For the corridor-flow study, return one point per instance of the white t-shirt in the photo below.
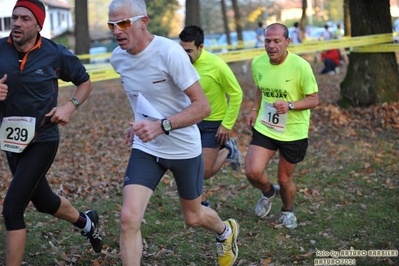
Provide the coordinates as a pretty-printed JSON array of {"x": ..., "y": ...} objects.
[
  {"x": 295, "y": 37},
  {"x": 160, "y": 73},
  {"x": 327, "y": 35}
]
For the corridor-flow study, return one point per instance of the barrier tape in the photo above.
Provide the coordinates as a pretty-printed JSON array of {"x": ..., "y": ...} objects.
[
  {"x": 362, "y": 44},
  {"x": 314, "y": 46},
  {"x": 96, "y": 75},
  {"x": 382, "y": 48}
]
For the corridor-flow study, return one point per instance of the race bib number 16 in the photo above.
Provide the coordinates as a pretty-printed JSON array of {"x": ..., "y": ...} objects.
[
  {"x": 272, "y": 120},
  {"x": 16, "y": 132}
]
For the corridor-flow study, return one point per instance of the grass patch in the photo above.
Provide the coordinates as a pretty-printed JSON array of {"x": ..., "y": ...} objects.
[
  {"x": 348, "y": 204},
  {"x": 347, "y": 195}
]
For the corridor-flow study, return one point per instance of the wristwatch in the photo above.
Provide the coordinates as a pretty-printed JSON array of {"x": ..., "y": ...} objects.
[
  {"x": 290, "y": 106},
  {"x": 166, "y": 126},
  {"x": 75, "y": 102}
]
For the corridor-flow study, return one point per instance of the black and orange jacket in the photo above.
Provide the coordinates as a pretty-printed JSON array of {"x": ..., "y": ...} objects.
[{"x": 32, "y": 81}]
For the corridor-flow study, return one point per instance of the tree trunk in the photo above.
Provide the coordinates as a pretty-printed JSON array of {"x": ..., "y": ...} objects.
[
  {"x": 192, "y": 12},
  {"x": 347, "y": 18},
  {"x": 225, "y": 22},
  {"x": 82, "y": 39},
  {"x": 238, "y": 22},
  {"x": 372, "y": 78},
  {"x": 302, "y": 24}
]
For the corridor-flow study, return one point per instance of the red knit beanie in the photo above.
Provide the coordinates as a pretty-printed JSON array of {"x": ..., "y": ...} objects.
[{"x": 36, "y": 7}]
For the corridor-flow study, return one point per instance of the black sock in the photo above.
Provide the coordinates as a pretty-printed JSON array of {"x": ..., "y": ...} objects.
[
  {"x": 81, "y": 223},
  {"x": 270, "y": 193},
  {"x": 290, "y": 210},
  {"x": 225, "y": 228}
]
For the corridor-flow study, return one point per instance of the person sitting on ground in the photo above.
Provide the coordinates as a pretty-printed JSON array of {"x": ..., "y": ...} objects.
[{"x": 332, "y": 61}]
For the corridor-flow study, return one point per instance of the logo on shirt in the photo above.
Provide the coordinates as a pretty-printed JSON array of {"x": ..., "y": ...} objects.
[
  {"x": 39, "y": 71},
  {"x": 274, "y": 93},
  {"x": 288, "y": 80},
  {"x": 158, "y": 81}
]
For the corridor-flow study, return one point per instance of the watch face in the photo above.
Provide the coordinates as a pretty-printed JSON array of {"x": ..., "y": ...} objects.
[
  {"x": 75, "y": 102},
  {"x": 166, "y": 125}
]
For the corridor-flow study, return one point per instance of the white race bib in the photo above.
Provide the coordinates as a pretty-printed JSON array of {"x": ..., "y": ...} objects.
[
  {"x": 272, "y": 120},
  {"x": 16, "y": 132}
]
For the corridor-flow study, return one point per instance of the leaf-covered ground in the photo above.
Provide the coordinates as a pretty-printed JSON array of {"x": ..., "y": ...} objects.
[{"x": 92, "y": 156}]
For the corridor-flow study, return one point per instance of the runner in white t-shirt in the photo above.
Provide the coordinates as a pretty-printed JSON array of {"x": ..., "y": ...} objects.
[{"x": 167, "y": 100}]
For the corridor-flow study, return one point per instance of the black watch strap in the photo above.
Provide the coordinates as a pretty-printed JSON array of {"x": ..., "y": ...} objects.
[
  {"x": 166, "y": 126},
  {"x": 75, "y": 102}
]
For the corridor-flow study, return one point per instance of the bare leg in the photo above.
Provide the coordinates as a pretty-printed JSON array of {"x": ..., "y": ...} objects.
[
  {"x": 67, "y": 212},
  {"x": 285, "y": 180},
  {"x": 256, "y": 162},
  {"x": 135, "y": 200},
  {"x": 220, "y": 160},
  {"x": 197, "y": 215},
  {"x": 15, "y": 247},
  {"x": 213, "y": 158}
]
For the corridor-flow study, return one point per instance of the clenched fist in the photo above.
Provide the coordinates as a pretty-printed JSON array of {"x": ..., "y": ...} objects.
[{"x": 3, "y": 88}]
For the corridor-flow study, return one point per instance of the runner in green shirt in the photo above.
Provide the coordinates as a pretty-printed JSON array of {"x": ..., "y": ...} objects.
[
  {"x": 218, "y": 82},
  {"x": 286, "y": 91}
]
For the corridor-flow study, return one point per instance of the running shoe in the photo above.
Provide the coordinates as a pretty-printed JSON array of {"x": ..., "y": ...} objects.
[
  {"x": 265, "y": 204},
  {"x": 234, "y": 157},
  {"x": 228, "y": 250},
  {"x": 96, "y": 240}
]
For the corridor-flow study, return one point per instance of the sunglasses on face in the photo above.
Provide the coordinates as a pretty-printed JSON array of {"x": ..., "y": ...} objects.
[{"x": 123, "y": 24}]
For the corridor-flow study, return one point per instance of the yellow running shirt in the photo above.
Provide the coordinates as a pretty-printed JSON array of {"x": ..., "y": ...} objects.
[
  {"x": 217, "y": 80},
  {"x": 289, "y": 81}
]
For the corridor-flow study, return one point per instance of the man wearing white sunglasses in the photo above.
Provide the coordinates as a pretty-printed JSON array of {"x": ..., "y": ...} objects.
[{"x": 167, "y": 100}]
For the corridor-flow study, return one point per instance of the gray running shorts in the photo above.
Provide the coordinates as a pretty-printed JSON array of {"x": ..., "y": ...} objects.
[{"x": 147, "y": 170}]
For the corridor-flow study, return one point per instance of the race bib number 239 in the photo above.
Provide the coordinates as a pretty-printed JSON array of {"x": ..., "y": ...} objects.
[{"x": 16, "y": 132}]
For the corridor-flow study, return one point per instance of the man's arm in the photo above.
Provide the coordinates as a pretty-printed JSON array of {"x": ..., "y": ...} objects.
[
  {"x": 310, "y": 101},
  {"x": 198, "y": 109},
  {"x": 82, "y": 91},
  {"x": 255, "y": 109},
  {"x": 195, "y": 112},
  {"x": 62, "y": 114},
  {"x": 232, "y": 88}
]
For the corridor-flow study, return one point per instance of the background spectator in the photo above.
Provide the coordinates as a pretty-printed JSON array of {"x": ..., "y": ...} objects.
[{"x": 296, "y": 34}]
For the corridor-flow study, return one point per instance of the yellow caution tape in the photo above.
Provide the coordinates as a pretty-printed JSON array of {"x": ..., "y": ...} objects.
[
  {"x": 94, "y": 56},
  {"x": 311, "y": 47},
  {"x": 240, "y": 45},
  {"x": 362, "y": 44},
  {"x": 106, "y": 73},
  {"x": 381, "y": 48}
]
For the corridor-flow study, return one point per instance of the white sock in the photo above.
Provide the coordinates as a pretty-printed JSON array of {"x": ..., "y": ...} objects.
[
  {"x": 226, "y": 233},
  {"x": 88, "y": 225}
]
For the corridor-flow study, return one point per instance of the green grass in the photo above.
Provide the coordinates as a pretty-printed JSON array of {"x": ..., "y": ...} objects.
[
  {"x": 347, "y": 198},
  {"x": 347, "y": 204}
]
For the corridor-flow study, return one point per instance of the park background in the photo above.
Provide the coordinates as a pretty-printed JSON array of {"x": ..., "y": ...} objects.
[{"x": 347, "y": 187}]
